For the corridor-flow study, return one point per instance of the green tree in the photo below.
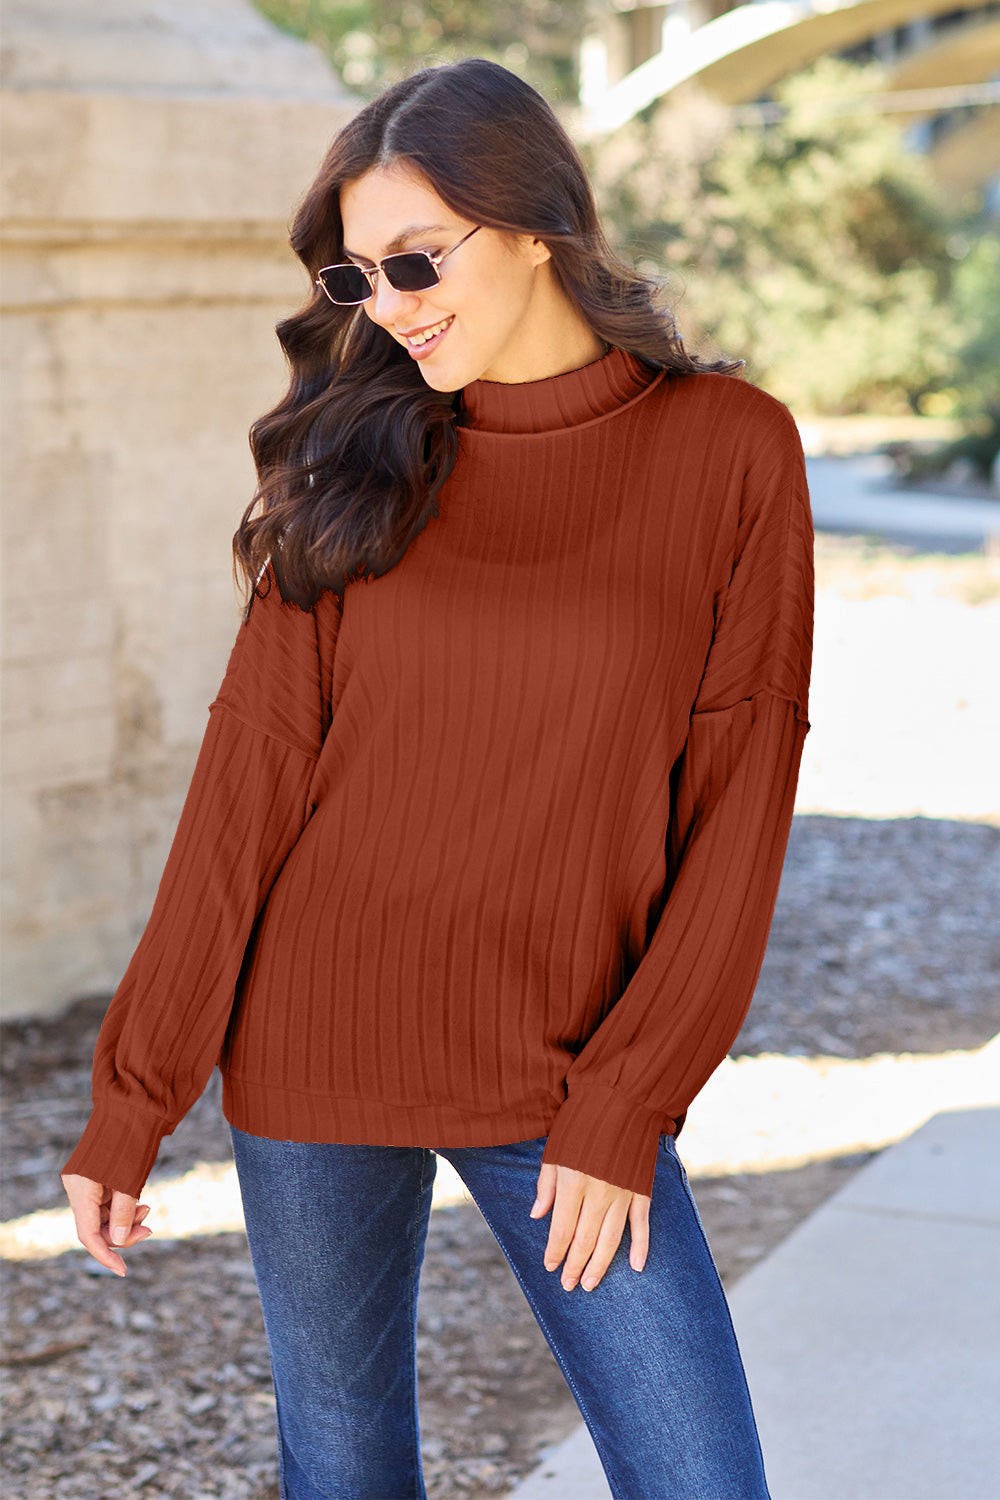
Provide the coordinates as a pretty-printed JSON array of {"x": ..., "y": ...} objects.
[
  {"x": 812, "y": 246},
  {"x": 974, "y": 393},
  {"x": 374, "y": 42},
  {"x": 977, "y": 310}
]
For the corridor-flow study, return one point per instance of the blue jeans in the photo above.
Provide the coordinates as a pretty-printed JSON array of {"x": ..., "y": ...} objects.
[{"x": 337, "y": 1235}]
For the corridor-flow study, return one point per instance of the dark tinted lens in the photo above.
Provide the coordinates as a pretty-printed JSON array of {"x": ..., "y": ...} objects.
[
  {"x": 412, "y": 272},
  {"x": 346, "y": 283}
]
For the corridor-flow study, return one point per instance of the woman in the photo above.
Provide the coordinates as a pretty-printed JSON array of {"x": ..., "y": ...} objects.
[{"x": 485, "y": 835}]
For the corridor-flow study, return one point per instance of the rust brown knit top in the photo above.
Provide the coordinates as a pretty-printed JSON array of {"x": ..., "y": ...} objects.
[{"x": 493, "y": 852}]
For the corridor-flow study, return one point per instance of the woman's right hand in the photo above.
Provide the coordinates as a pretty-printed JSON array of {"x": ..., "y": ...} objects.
[{"x": 104, "y": 1218}]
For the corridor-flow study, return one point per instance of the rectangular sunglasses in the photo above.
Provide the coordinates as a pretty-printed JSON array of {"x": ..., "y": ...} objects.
[{"x": 411, "y": 271}]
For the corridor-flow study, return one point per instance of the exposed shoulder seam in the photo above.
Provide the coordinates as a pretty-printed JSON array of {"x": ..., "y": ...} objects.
[
  {"x": 219, "y": 704},
  {"x": 765, "y": 692}
]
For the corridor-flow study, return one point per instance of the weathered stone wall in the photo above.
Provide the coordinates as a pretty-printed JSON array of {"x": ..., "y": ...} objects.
[{"x": 153, "y": 155}]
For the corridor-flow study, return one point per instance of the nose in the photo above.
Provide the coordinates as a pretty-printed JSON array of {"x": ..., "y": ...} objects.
[{"x": 388, "y": 306}]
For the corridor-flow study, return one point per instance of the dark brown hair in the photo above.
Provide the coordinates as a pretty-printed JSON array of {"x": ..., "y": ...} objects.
[{"x": 350, "y": 462}]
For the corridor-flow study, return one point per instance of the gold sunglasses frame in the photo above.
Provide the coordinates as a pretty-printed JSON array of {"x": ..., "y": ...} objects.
[{"x": 371, "y": 272}]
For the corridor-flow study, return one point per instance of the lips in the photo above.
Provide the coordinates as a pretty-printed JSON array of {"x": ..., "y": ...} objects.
[{"x": 422, "y": 336}]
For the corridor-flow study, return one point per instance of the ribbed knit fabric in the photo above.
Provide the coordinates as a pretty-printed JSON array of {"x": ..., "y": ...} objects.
[{"x": 494, "y": 853}]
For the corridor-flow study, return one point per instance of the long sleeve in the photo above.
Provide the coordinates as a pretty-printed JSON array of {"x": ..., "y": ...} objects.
[
  {"x": 246, "y": 806},
  {"x": 733, "y": 796},
  {"x": 491, "y": 851}
]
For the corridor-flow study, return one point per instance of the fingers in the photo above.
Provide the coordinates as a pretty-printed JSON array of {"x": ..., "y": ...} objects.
[
  {"x": 545, "y": 1193},
  {"x": 591, "y": 1268},
  {"x": 89, "y": 1204},
  {"x": 638, "y": 1222},
  {"x": 570, "y": 1187},
  {"x": 609, "y": 1239},
  {"x": 104, "y": 1216},
  {"x": 121, "y": 1217},
  {"x": 588, "y": 1220}
]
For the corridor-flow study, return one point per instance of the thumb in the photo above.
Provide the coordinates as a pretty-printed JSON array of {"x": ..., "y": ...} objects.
[
  {"x": 545, "y": 1193},
  {"x": 121, "y": 1216}
]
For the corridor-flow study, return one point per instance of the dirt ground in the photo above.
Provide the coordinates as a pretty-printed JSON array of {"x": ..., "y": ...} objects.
[{"x": 884, "y": 941}]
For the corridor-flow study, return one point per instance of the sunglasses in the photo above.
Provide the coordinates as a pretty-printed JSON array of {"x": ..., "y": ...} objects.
[{"x": 412, "y": 271}]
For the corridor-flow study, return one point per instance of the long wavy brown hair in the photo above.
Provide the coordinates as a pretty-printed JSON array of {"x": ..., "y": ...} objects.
[{"x": 351, "y": 460}]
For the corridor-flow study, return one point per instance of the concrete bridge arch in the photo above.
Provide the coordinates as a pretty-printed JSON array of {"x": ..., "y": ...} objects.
[{"x": 739, "y": 55}]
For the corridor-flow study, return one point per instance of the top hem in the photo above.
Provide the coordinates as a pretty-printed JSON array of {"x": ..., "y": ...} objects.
[{"x": 281, "y": 1114}]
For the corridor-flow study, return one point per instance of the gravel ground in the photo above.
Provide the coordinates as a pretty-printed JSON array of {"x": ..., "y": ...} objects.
[{"x": 884, "y": 941}]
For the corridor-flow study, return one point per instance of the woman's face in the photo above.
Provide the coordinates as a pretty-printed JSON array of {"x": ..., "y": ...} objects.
[{"x": 489, "y": 317}]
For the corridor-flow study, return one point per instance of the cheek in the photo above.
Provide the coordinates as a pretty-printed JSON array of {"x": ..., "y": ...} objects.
[
  {"x": 492, "y": 293},
  {"x": 497, "y": 301}
]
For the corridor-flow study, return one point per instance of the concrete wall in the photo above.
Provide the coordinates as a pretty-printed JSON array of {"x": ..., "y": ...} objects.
[{"x": 152, "y": 157}]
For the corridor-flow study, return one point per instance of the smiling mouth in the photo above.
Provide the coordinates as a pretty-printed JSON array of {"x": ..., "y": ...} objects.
[{"x": 424, "y": 335}]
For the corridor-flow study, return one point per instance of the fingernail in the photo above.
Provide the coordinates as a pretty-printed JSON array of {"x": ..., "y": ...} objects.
[
  {"x": 119, "y": 1235},
  {"x": 588, "y": 1283},
  {"x": 550, "y": 1265},
  {"x": 534, "y": 1209},
  {"x": 568, "y": 1286}
]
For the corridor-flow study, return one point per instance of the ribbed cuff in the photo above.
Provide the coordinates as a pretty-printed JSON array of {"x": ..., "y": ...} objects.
[
  {"x": 600, "y": 1131},
  {"x": 118, "y": 1148}
]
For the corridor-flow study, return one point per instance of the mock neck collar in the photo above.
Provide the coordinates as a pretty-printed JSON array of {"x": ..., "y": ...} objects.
[{"x": 562, "y": 401}]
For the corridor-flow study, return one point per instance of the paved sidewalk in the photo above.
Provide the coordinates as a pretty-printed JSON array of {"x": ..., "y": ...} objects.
[
  {"x": 851, "y": 495},
  {"x": 871, "y": 1336}
]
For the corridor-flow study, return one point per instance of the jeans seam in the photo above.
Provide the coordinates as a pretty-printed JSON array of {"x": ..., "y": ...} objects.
[
  {"x": 283, "y": 1489},
  {"x": 567, "y": 1374},
  {"x": 286, "y": 1493},
  {"x": 417, "y": 1465},
  {"x": 725, "y": 1302}
]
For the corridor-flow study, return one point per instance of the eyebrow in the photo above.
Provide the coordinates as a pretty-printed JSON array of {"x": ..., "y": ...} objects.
[{"x": 413, "y": 232}]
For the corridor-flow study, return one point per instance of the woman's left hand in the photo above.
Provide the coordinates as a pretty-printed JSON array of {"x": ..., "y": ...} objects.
[{"x": 587, "y": 1222}]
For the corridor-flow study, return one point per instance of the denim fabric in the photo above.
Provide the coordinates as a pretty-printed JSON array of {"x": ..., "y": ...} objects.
[{"x": 337, "y": 1235}]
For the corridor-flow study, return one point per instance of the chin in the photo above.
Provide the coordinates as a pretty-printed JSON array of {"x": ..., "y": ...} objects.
[{"x": 445, "y": 380}]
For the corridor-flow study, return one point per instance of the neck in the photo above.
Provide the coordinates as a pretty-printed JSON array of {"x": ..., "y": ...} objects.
[{"x": 561, "y": 338}]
